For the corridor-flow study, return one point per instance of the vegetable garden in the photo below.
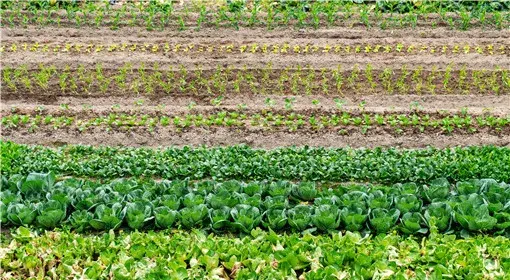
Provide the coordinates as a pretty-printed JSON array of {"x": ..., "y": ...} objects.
[{"x": 338, "y": 139}]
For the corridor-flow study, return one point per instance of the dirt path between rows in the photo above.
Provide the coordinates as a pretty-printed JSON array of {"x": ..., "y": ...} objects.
[
  {"x": 223, "y": 136},
  {"x": 476, "y": 104}
]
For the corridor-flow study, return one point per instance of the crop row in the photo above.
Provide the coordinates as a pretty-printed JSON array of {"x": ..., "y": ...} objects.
[
  {"x": 290, "y": 121},
  {"x": 222, "y": 80},
  {"x": 268, "y": 255},
  {"x": 36, "y": 200},
  {"x": 244, "y": 163},
  {"x": 235, "y": 15},
  {"x": 256, "y": 48}
]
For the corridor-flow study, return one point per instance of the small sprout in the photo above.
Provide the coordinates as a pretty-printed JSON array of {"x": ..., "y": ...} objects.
[
  {"x": 242, "y": 106},
  {"x": 217, "y": 101},
  {"x": 40, "y": 109},
  {"x": 139, "y": 102},
  {"x": 64, "y": 107},
  {"x": 339, "y": 103},
  {"x": 269, "y": 102},
  {"x": 191, "y": 105},
  {"x": 315, "y": 102}
]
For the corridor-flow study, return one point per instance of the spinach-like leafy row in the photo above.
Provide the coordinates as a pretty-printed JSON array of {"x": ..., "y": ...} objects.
[
  {"x": 245, "y": 163},
  {"x": 267, "y": 255},
  {"x": 474, "y": 205}
]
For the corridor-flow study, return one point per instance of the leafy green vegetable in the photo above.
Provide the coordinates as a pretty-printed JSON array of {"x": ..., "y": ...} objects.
[
  {"x": 254, "y": 188},
  {"x": 108, "y": 217},
  {"x": 276, "y": 219},
  {"x": 138, "y": 213},
  {"x": 382, "y": 219},
  {"x": 305, "y": 191},
  {"x": 21, "y": 214},
  {"x": 220, "y": 218},
  {"x": 194, "y": 216},
  {"x": 326, "y": 217},
  {"x": 280, "y": 188},
  {"x": 276, "y": 202},
  {"x": 378, "y": 199},
  {"x": 439, "y": 214},
  {"x": 51, "y": 213},
  {"x": 299, "y": 217},
  {"x": 80, "y": 220},
  {"x": 245, "y": 217},
  {"x": 192, "y": 199},
  {"x": 354, "y": 217},
  {"x": 408, "y": 203},
  {"x": 437, "y": 190},
  {"x": 413, "y": 223},
  {"x": 165, "y": 216},
  {"x": 474, "y": 217}
]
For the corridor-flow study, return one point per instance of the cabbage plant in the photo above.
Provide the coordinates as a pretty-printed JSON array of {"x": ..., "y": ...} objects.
[
  {"x": 299, "y": 217},
  {"x": 382, "y": 220},
  {"x": 413, "y": 223},
  {"x": 21, "y": 214},
  {"x": 165, "y": 217},
  {"x": 440, "y": 215},
  {"x": 354, "y": 217},
  {"x": 474, "y": 217},
  {"x": 326, "y": 217},
  {"x": 245, "y": 217},
  {"x": 108, "y": 217},
  {"x": 275, "y": 219},
  {"x": 193, "y": 217},
  {"x": 138, "y": 213},
  {"x": 51, "y": 213}
]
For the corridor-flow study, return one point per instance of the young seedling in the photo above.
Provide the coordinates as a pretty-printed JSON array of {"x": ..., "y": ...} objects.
[
  {"x": 339, "y": 103},
  {"x": 289, "y": 103}
]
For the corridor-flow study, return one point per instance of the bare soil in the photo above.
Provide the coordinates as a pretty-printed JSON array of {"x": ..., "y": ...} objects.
[
  {"x": 99, "y": 103},
  {"x": 268, "y": 140}
]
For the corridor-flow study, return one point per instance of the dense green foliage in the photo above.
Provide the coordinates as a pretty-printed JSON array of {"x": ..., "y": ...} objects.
[
  {"x": 244, "y": 163},
  {"x": 470, "y": 206},
  {"x": 267, "y": 255}
]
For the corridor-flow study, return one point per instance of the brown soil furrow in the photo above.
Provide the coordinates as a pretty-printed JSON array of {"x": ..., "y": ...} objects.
[
  {"x": 222, "y": 136},
  {"x": 376, "y": 103},
  {"x": 119, "y": 59},
  {"x": 338, "y": 33}
]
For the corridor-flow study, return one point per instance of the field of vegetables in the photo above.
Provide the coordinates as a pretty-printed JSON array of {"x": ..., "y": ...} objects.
[{"x": 246, "y": 139}]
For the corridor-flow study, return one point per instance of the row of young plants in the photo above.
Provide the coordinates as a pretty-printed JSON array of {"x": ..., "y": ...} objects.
[
  {"x": 196, "y": 255},
  {"x": 287, "y": 121},
  {"x": 297, "y": 80},
  {"x": 315, "y": 14},
  {"x": 256, "y": 48},
  {"x": 37, "y": 200},
  {"x": 245, "y": 163}
]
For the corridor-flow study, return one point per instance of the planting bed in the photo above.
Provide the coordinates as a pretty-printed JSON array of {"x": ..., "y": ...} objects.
[{"x": 117, "y": 123}]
